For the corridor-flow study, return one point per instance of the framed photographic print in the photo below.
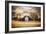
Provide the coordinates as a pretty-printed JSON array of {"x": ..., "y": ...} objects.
[{"x": 24, "y": 16}]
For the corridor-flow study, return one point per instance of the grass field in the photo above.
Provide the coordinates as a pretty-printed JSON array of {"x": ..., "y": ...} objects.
[{"x": 16, "y": 24}]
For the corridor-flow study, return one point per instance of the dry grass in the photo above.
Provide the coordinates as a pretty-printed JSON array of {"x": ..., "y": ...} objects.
[{"x": 25, "y": 24}]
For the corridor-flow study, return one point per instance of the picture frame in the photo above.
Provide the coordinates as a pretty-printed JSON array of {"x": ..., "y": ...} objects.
[{"x": 13, "y": 25}]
